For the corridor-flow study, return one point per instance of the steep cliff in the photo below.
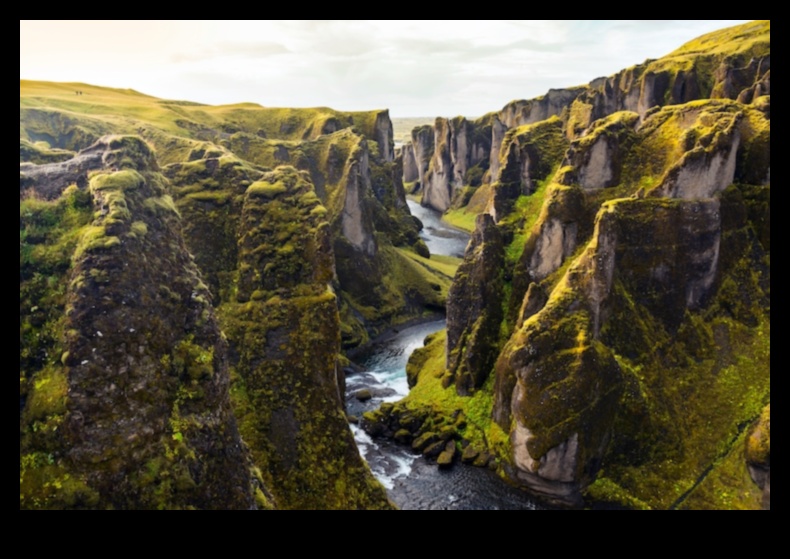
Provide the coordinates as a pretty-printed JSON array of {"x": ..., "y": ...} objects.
[
  {"x": 422, "y": 140},
  {"x": 634, "y": 349},
  {"x": 472, "y": 323},
  {"x": 346, "y": 207},
  {"x": 458, "y": 147},
  {"x": 529, "y": 153},
  {"x": 732, "y": 64},
  {"x": 349, "y": 156},
  {"x": 284, "y": 331},
  {"x": 125, "y": 405}
]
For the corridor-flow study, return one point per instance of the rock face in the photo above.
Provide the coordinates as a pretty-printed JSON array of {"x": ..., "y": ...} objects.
[
  {"x": 365, "y": 203},
  {"x": 597, "y": 157},
  {"x": 559, "y": 386},
  {"x": 285, "y": 334},
  {"x": 557, "y": 379},
  {"x": 459, "y": 145},
  {"x": 437, "y": 191},
  {"x": 410, "y": 171},
  {"x": 638, "y": 298},
  {"x": 50, "y": 180},
  {"x": 422, "y": 140},
  {"x": 269, "y": 241},
  {"x": 143, "y": 410},
  {"x": 498, "y": 130},
  {"x": 529, "y": 153},
  {"x": 518, "y": 113},
  {"x": 383, "y": 136},
  {"x": 281, "y": 255},
  {"x": 728, "y": 64},
  {"x": 473, "y": 324},
  {"x": 709, "y": 166}
]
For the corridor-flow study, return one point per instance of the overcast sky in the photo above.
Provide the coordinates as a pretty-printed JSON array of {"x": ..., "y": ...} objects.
[{"x": 414, "y": 68}]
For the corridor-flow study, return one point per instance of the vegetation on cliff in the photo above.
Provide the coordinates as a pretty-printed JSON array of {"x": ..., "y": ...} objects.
[{"x": 634, "y": 349}]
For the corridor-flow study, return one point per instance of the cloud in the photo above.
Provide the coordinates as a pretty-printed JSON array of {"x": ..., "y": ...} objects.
[
  {"x": 413, "y": 67},
  {"x": 255, "y": 50}
]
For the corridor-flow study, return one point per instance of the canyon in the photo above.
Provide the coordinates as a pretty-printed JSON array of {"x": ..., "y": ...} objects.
[{"x": 195, "y": 282}]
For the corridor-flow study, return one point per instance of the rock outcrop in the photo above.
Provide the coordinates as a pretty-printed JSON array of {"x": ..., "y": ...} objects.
[
  {"x": 529, "y": 154},
  {"x": 459, "y": 145},
  {"x": 411, "y": 173},
  {"x": 728, "y": 64},
  {"x": 636, "y": 284},
  {"x": 472, "y": 324},
  {"x": 139, "y": 397},
  {"x": 596, "y": 159},
  {"x": 284, "y": 330},
  {"x": 422, "y": 140}
]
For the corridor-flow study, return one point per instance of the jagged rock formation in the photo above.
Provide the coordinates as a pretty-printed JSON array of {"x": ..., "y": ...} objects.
[
  {"x": 422, "y": 140},
  {"x": 134, "y": 411},
  {"x": 529, "y": 154},
  {"x": 733, "y": 63},
  {"x": 728, "y": 64},
  {"x": 459, "y": 145},
  {"x": 284, "y": 330},
  {"x": 518, "y": 113},
  {"x": 636, "y": 337},
  {"x": 653, "y": 257},
  {"x": 473, "y": 324},
  {"x": 596, "y": 159},
  {"x": 352, "y": 214},
  {"x": 411, "y": 173}
]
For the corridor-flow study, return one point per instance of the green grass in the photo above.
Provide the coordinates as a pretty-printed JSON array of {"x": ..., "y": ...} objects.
[
  {"x": 444, "y": 265},
  {"x": 461, "y": 219},
  {"x": 474, "y": 412},
  {"x": 170, "y": 125}
]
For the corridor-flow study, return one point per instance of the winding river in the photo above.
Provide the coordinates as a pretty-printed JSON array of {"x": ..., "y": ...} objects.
[{"x": 411, "y": 481}]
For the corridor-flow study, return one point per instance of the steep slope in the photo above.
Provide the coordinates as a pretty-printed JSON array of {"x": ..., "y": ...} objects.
[
  {"x": 349, "y": 156},
  {"x": 635, "y": 344},
  {"x": 731, "y": 63},
  {"x": 125, "y": 405},
  {"x": 219, "y": 160}
]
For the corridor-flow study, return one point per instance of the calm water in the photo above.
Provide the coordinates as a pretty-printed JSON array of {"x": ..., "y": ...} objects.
[{"x": 440, "y": 237}]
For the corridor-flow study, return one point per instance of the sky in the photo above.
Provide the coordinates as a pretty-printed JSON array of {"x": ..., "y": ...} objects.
[{"x": 414, "y": 68}]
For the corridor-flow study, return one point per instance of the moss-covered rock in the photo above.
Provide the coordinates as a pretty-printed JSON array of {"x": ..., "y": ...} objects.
[
  {"x": 139, "y": 395},
  {"x": 472, "y": 323},
  {"x": 597, "y": 157},
  {"x": 529, "y": 153},
  {"x": 284, "y": 330}
]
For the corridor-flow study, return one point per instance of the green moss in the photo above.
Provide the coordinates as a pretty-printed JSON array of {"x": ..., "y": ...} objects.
[
  {"x": 45, "y": 483},
  {"x": 49, "y": 232},
  {"x": 139, "y": 228},
  {"x": 286, "y": 402},
  {"x": 266, "y": 190},
  {"x": 441, "y": 409},
  {"x": 127, "y": 179},
  {"x": 444, "y": 265},
  {"x": 758, "y": 442},
  {"x": 603, "y": 491},
  {"x": 40, "y": 152},
  {"x": 461, "y": 218}
]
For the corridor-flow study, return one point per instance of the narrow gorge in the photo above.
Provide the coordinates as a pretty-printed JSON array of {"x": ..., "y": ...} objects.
[{"x": 564, "y": 303}]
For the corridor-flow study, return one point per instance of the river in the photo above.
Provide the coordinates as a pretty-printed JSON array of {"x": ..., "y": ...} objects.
[{"x": 412, "y": 482}]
